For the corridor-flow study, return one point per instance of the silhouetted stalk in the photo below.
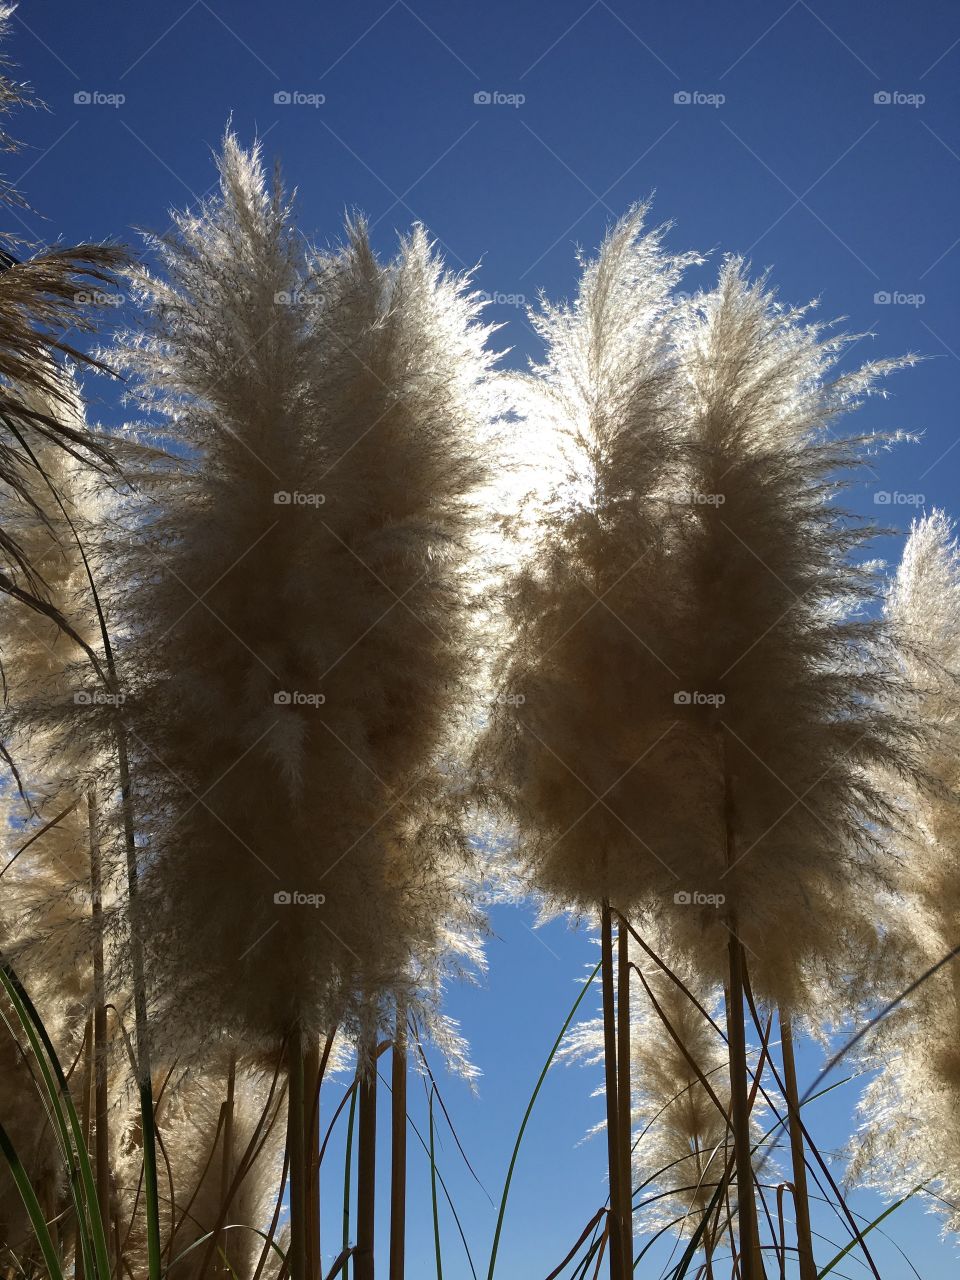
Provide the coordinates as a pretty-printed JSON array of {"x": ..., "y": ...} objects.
[
  {"x": 226, "y": 1160},
  {"x": 751, "y": 1262},
  {"x": 708, "y": 1240},
  {"x": 366, "y": 1167},
  {"x": 86, "y": 1088},
  {"x": 617, "y": 1266},
  {"x": 348, "y": 1158},
  {"x": 751, "y": 1259},
  {"x": 101, "y": 1110},
  {"x": 275, "y": 1220},
  {"x": 295, "y": 1151},
  {"x": 311, "y": 1142},
  {"x": 121, "y": 1261},
  {"x": 623, "y": 1084},
  {"x": 398, "y": 1144},
  {"x": 808, "y": 1268}
]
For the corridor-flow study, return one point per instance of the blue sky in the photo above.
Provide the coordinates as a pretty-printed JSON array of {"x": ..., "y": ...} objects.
[{"x": 760, "y": 129}]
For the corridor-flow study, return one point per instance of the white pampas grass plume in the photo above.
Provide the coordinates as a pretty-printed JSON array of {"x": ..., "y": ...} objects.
[
  {"x": 584, "y": 686},
  {"x": 911, "y": 1132},
  {"x": 298, "y": 644}
]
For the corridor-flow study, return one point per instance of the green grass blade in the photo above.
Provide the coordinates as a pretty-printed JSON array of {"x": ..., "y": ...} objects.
[
  {"x": 32, "y": 1205},
  {"x": 433, "y": 1192},
  {"x": 150, "y": 1186},
  {"x": 86, "y": 1206},
  {"x": 526, "y": 1117},
  {"x": 229, "y": 1226},
  {"x": 866, "y": 1230},
  {"x": 446, "y": 1192}
]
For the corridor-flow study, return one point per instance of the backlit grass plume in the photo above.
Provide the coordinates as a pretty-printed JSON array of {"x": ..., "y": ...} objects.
[
  {"x": 56, "y": 729},
  {"x": 911, "y": 1131},
  {"x": 585, "y": 687},
  {"x": 298, "y": 638},
  {"x": 785, "y": 700},
  {"x": 697, "y": 686},
  {"x": 46, "y": 927},
  {"x": 203, "y": 1188},
  {"x": 295, "y": 651},
  {"x": 585, "y": 681},
  {"x": 783, "y": 669},
  {"x": 42, "y": 297}
]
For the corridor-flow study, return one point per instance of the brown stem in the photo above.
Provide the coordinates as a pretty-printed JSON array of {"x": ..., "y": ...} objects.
[
  {"x": 398, "y": 1144},
  {"x": 85, "y": 1089},
  {"x": 274, "y": 1221},
  {"x": 623, "y": 1088},
  {"x": 616, "y": 1235},
  {"x": 311, "y": 1141},
  {"x": 707, "y": 1238},
  {"x": 752, "y": 1262},
  {"x": 119, "y": 1260},
  {"x": 226, "y": 1157},
  {"x": 367, "y": 1168},
  {"x": 808, "y": 1268},
  {"x": 750, "y": 1255},
  {"x": 299, "y": 1176}
]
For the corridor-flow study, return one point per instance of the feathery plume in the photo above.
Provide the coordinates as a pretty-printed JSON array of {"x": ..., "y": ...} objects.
[{"x": 911, "y": 1133}]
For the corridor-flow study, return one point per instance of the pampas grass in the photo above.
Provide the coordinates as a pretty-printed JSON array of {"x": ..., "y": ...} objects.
[
  {"x": 910, "y": 1131},
  {"x": 298, "y": 629},
  {"x": 42, "y": 297},
  {"x": 269, "y": 677},
  {"x": 700, "y": 701},
  {"x": 321, "y": 638}
]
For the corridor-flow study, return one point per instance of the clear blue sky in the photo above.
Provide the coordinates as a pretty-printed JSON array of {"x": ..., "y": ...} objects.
[{"x": 798, "y": 167}]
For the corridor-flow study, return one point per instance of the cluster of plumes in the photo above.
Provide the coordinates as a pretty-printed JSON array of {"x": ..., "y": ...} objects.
[
  {"x": 692, "y": 696},
  {"x": 286, "y": 576},
  {"x": 297, "y": 616},
  {"x": 911, "y": 1109},
  {"x": 704, "y": 694}
]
